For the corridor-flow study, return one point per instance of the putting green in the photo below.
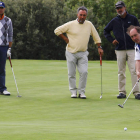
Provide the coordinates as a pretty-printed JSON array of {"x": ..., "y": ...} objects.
[{"x": 46, "y": 112}]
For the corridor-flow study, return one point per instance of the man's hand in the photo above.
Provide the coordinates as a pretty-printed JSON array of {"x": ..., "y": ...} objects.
[
  {"x": 138, "y": 75},
  {"x": 9, "y": 52},
  {"x": 100, "y": 51},
  {"x": 115, "y": 42}
]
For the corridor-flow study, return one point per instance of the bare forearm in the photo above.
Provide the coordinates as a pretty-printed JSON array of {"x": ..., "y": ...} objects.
[
  {"x": 138, "y": 68},
  {"x": 64, "y": 38}
]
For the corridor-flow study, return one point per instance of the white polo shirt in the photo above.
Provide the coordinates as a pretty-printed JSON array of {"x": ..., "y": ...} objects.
[{"x": 137, "y": 52}]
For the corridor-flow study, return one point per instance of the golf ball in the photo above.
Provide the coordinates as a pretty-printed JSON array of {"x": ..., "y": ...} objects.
[{"x": 125, "y": 128}]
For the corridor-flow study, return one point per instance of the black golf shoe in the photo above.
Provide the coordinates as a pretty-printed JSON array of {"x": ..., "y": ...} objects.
[
  {"x": 137, "y": 96},
  {"x": 121, "y": 95}
]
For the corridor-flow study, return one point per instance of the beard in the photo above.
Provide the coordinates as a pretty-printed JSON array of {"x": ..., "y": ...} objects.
[
  {"x": 122, "y": 13},
  {"x": 80, "y": 21}
]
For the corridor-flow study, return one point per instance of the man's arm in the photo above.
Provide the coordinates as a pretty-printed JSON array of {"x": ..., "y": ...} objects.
[
  {"x": 64, "y": 38},
  {"x": 138, "y": 68},
  {"x": 107, "y": 34},
  {"x": 96, "y": 39},
  {"x": 10, "y": 38}
]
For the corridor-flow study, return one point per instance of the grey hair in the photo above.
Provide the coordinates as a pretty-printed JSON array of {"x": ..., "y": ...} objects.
[
  {"x": 133, "y": 27},
  {"x": 82, "y": 8}
]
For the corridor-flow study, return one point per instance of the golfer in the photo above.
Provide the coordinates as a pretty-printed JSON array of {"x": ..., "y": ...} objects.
[
  {"x": 78, "y": 33},
  {"x": 6, "y": 34},
  {"x": 124, "y": 46},
  {"x": 134, "y": 32}
]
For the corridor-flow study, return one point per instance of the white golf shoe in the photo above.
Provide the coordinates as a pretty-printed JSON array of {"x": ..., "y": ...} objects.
[
  {"x": 5, "y": 92},
  {"x": 82, "y": 96},
  {"x": 74, "y": 95}
]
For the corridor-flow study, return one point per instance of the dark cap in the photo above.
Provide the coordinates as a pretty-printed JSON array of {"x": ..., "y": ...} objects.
[
  {"x": 2, "y": 4},
  {"x": 119, "y": 4}
]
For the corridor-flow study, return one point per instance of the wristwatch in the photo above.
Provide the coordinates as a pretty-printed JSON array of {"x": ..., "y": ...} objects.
[{"x": 100, "y": 47}]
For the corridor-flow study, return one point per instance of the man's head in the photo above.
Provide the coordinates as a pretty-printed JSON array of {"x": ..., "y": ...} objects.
[
  {"x": 134, "y": 33},
  {"x": 82, "y": 14},
  {"x": 120, "y": 8},
  {"x": 2, "y": 8}
]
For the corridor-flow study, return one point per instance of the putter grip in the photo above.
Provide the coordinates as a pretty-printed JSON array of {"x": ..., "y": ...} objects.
[
  {"x": 100, "y": 60},
  {"x": 10, "y": 62}
]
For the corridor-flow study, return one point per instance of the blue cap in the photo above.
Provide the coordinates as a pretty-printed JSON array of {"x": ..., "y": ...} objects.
[{"x": 2, "y": 4}]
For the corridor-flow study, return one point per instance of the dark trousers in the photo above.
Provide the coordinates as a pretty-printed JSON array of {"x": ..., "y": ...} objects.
[{"x": 3, "y": 57}]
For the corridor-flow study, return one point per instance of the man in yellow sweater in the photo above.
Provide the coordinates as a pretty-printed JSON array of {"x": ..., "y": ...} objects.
[{"x": 78, "y": 33}]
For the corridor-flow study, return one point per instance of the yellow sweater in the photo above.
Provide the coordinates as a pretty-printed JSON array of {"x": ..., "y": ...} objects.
[{"x": 78, "y": 35}]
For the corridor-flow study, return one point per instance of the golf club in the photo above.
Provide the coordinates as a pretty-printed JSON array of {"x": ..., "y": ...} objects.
[
  {"x": 129, "y": 94},
  {"x": 101, "y": 74},
  {"x": 14, "y": 78}
]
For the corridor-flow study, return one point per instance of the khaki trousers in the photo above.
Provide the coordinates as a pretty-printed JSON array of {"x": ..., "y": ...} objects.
[
  {"x": 80, "y": 60},
  {"x": 122, "y": 57}
]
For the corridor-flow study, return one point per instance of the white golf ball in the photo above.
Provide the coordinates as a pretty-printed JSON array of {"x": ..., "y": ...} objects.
[{"x": 125, "y": 128}]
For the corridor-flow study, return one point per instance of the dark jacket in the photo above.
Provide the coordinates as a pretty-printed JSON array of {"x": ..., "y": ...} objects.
[{"x": 119, "y": 27}]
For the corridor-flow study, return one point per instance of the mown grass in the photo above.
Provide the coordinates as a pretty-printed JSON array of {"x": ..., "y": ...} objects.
[{"x": 46, "y": 112}]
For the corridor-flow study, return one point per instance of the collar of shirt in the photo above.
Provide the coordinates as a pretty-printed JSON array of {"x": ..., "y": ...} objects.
[
  {"x": 137, "y": 46},
  {"x": 2, "y": 17}
]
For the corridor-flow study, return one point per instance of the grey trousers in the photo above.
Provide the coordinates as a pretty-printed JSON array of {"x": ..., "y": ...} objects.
[
  {"x": 79, "y": 59},
  {"x": 122, "y": 57}
]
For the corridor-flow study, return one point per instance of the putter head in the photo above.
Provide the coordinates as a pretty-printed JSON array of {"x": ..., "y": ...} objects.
[
  {"x": 120, "y": 105},
  {"x": 101, "y": 97}
]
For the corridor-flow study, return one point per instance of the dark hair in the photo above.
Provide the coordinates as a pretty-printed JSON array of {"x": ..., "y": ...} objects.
[
  {"x": 133, "y": 27},
  {"x": 82, "y": 8}
]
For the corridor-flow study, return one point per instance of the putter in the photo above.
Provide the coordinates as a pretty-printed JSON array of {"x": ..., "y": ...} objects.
[
  {"x": 14, "y": 77},
  {"x": 101, "y": 74},
  {"x": 129, "y": 94}
]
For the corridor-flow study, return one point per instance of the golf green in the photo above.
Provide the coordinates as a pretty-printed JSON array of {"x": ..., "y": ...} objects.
[{"x": 46, "y": 112}]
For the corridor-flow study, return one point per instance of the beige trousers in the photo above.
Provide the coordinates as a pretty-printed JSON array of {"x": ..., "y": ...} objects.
[
  {"x": 122, "y": 57},
  {"x": 79, "y": 59}
]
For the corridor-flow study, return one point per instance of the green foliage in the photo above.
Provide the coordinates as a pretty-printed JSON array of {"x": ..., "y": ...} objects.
[{"x": 34, "y": 22}]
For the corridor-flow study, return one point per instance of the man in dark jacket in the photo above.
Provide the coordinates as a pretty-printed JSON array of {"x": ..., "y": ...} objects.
[{"x": 124, "y": 46}]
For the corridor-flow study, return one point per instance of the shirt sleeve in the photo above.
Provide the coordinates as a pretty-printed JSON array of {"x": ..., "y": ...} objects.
[
  {"x": 107, "y": 30},
  {"x": 136, "y": 22},
  {"x": 137, "y": 52},
  {"x": 10, "y": 32},
  {"x": 61, "y": 29},
  {"x": 95, "y": 34}
]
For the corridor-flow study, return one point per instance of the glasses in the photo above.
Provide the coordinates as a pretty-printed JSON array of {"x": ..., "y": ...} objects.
[{"x": 1, "y": 7}]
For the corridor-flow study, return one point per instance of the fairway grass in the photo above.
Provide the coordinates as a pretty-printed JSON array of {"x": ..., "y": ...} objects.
[{"x": 46, "y": 112}]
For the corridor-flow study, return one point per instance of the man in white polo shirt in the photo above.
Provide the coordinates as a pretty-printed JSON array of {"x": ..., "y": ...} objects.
[
  {"x": 134, "y": 32},
  {"x": 78, "y": 33}
]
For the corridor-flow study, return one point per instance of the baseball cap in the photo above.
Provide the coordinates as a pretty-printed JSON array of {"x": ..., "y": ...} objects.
[
  {"x": 2, "y": 4},
  {"x": 119, "y": 4}
]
